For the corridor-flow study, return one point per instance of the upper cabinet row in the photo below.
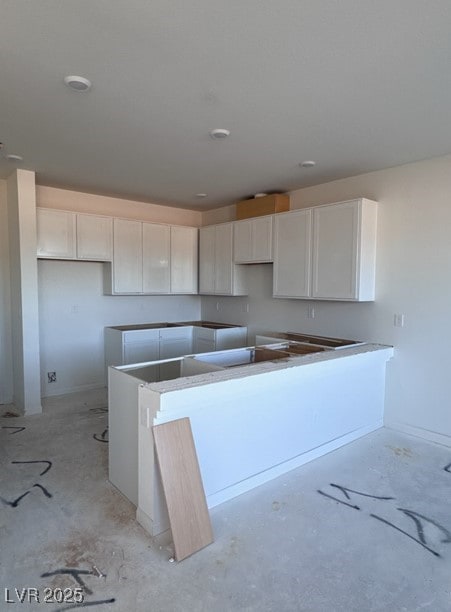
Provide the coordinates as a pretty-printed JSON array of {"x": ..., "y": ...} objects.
[
  {"x": 326, "y": 252},
  {"x": 142, "y": 258},
  {"x": 68, "y": 235}
]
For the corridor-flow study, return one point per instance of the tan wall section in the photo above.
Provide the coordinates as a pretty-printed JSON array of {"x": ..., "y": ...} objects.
[{"x": 65, "y": 199}]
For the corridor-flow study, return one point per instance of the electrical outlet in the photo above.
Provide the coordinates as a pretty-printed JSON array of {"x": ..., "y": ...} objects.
[
  {"x": 311, "y": 312},
  {"x": 398, "y": 320},
  {"x": 246, "y": 307},
  {"x": 51, "y": 377},
  {"x": 218, "y": 306}
]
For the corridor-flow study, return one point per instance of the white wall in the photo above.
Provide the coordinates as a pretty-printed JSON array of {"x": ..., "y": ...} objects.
[
  {"x": 66, "y": 199},
  {"x": 6, "y": 389},
  {"x": 413, "y": 278},
  {"x": 77, "y": 371},
  {"x": 73, "y": 312}
]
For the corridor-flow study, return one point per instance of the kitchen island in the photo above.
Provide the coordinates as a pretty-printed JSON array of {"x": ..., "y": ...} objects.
[{"x": 252, "y": 419}]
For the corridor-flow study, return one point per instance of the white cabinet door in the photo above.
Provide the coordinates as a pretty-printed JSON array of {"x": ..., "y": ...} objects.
[
  {"x": 262, "y": 239},
  {"x": 184, "y": 249},
  {"x": 344, "y": 250},
  {"x": 55, "y": 233},
  {"x": 292, "y": 254},
  {"x": 207, "y": 259},
  {"x": 127, "y": 256},
  {"x": 139, "y": 352},
  {"x": 223, "y": 259},
  {"x": 218, "y": 274},
  {"x": 204, "y": 345},
  {"x": 94, "y": 237},
  {"x": 156, "y": 258},
  {"x": 335, "y": 253},
  {"x": 204, "y": 339},
  {"x": 242, "y": 241},
  {"x": 252, "y": 240}
]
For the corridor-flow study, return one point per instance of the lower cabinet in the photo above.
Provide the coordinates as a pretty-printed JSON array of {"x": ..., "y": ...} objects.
[
  {"x": 124, "y": 347},
  {"x": 141, "y": 351},
  {"x": 129, "y": 346},
  {"x": 206, "y": 339}
]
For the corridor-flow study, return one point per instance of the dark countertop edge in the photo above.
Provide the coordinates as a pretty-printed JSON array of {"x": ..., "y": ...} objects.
[{"x": 164, "y": 325}]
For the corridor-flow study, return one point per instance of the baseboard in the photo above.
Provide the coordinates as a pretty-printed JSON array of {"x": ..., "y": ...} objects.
[
  {"x": 66, "y": 390},
  {"x": 152, "y": 527},
  {"x": 258, "y": 479},
  {"x": 420, "y": 432}
]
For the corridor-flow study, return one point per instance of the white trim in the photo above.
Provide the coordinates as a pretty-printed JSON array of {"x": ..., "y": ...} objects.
[
  {"x": 278, "y": 470},
  {"x": 420, "y": 432},
  {"x": 63, "y": 391}
]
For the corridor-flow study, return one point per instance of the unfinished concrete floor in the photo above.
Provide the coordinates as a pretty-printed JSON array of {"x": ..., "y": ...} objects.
[{"x": 365, "y": 528}]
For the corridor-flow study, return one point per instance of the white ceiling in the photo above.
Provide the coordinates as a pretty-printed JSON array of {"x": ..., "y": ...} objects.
[{"x": 356, "y": 85}]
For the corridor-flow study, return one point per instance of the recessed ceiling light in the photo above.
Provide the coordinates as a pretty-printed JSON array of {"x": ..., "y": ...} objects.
[
  {"x": 14, "y": 158},
  {"x": 307, "y": 164},
  {"x": 78, "y": 83},
  {"x": 219, "y": 133},
  {"x": 261, "y": 194},
  {"x": 201, "y": 195}
]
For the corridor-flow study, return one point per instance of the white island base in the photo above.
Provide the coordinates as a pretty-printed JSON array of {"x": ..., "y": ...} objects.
[{"x": 253, "y": 423}]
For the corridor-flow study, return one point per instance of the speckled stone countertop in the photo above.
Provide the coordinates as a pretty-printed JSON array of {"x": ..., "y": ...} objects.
[{"x": 253, "y": 369}]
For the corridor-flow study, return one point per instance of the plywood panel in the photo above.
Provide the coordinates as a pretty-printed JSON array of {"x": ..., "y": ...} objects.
[
  {"x": 183, "y": 489},
  {"x": 267, "y": 205}
]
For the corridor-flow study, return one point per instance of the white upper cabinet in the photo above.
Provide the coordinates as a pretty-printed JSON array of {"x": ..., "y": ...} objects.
[
  {"x": 344, "y": 251},
  {"x": 56, "y": 231},
  {"x": 151, "y": 258},
  {"x": 327, "y": 252},
  {"x": 184, "y": 259},
  {"x": 94, "y": 237},
  {"x": 223, "y": 259},
  {"x": 252, "y": 240},
  {"x": 207, "y": 259},
  {"x": 156, "y": 258},
  {"x": 292, "y": 254},
  {"x": 127, "y": 257},
  {"x": 218, "y": 274},
  {"x": 67, "y": 235}
]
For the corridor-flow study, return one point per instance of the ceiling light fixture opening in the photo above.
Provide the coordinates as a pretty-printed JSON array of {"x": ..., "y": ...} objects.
[
  {"x": 201, "y": 195},
  {"x": 14, "y": 158},
  {"x": 219, "y": 133},
  {"x": 77, "y": 83},
  {"x": 308, "y": 164}
]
